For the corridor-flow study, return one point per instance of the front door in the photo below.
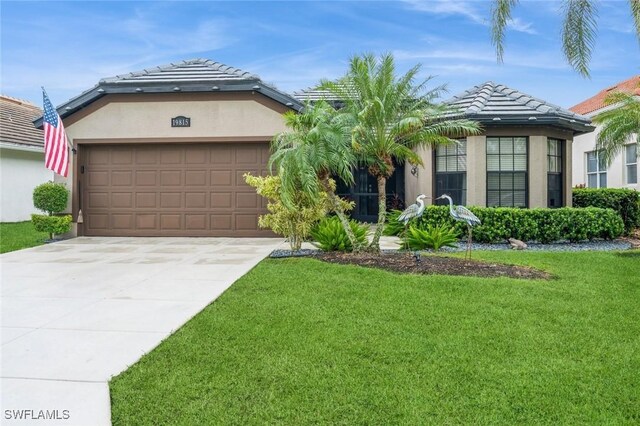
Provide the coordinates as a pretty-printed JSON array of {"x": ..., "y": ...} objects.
[{"x": 364, "y": 193}]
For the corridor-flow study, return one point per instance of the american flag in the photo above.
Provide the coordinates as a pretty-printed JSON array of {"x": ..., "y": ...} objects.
[{"x": 56, "y": 152}]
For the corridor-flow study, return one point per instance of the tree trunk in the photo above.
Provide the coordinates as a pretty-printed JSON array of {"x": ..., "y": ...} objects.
[
  {"x": 382, "y": 213},
  {"x": 337, "y": 208}
]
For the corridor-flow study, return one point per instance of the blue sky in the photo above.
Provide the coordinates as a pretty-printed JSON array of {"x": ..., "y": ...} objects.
[{"x": 68, "y": 46}]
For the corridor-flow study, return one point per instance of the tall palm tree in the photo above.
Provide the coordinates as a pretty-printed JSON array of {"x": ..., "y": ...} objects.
[
  {"x": 316, "y": 148},
  {"x": 578, "y": 29},
  {"x": 389, "y": 117},
  {"x": 619, "y": 124}
]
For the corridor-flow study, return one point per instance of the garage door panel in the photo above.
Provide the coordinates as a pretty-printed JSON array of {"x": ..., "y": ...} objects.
[
  {"x": 122, "y": 200},
  {"x": 246, "y": 222},
  {"x": 98, "y": 178},
  {"x": 170, "y": 200},
  {"x": 220, "y": 200},
  {"x": 146, "y": 178},
  {"x": 195, "y": 178},
  {"x": 173, "y": 189},
  {"x": 246, "y": 200},
  {"x": 146, "y": 156},
  {"x": 171, "y": 177},
  {"x": 171, "y": 221},
  {"x": 122, "y": 221},
  {"x": 196, "y": 222},
  {"x": 146, "y": 221},
  {"x": 221, "y": 177},
  {"x": 196, "y": 200},
  {"x": 146, "y": 200},
  {"x": 121, "y": 178}
]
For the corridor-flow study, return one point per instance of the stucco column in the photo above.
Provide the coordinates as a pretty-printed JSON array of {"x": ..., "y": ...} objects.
[
  {"x": 422, "y": 182},
  {"x": 477, "y": 171},
  {"x": 566, "y": 173},
  {"x": 537, "y": 171}
]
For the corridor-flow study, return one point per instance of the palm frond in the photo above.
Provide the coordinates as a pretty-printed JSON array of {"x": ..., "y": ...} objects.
[
  {"x": 500, "y": 16},
  {"x": 619, "y": 124},
  {"x": 635, "y": 14},
  {"x": 579, "y": 33}
]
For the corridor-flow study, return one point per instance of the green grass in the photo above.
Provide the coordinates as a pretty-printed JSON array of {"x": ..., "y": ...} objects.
[
  {"x": 299, "y": 341},
  {"x": 19, "y": 235}
]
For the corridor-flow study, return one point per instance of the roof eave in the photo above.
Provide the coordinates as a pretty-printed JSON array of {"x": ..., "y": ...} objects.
[{"x": 110, "y": 88}]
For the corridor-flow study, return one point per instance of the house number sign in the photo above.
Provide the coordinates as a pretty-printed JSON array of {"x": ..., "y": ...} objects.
[{"x": 181, "y": 121}]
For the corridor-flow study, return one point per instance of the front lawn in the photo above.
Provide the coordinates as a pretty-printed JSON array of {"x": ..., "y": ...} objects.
[
  {"x": 299, "y": 341},
  {"x": 19, "y": 235}
]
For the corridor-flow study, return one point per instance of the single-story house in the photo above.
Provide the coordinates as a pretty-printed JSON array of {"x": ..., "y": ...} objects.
[
  {"x": 588, "y": 169},
  {"x": 21, "y": 159},
  {"x": 162, "y": 152}
]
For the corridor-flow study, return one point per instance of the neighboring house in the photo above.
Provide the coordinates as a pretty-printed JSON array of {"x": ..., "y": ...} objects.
[
  {"x": 21, "y": 159},
  {"x": 588, "y": 169},
  {"x": 521, "y": 159},
  {"x": 163, "y": 151}
]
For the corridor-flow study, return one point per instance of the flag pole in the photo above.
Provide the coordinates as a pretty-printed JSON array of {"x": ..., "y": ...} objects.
[{"x": 68, "y": 143}]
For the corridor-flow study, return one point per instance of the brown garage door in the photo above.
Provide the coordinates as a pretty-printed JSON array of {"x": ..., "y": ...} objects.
[{"x": 171, "y": 189}]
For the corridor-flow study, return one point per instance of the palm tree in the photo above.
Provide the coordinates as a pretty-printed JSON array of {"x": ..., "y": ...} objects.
[
  {"x": 389, "y": 117},
  {"x": 578, "y": 29},
  {"x": 316, "y": 148},
  {"x": 619, "y": 124}
]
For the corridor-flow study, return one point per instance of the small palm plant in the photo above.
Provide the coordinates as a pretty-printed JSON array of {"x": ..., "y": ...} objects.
[{"x": 306, "y": 157}]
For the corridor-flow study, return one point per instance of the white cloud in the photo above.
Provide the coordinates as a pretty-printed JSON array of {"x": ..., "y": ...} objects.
[{"x": 519, "y": 25}]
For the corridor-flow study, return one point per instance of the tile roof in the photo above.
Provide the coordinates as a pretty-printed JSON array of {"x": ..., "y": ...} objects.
[
  {"x": 195, "y": 75},
  {"x": 596, "y": 102},
  {"x": 492, "y": 103},
  {"x": 16, "y": 123},
  {"x": 202, "y": 70},
  {"x": 312, "y": 94}
]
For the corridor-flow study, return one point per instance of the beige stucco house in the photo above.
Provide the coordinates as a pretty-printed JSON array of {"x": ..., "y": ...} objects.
[
  {"x": 162, "y": 152},
  {"x": 588, "y": 170},
  {"x": 21, "y": 159}
]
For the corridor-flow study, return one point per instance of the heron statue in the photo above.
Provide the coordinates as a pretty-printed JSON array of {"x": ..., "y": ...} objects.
[
  {"x": 411, "y": 212},
  {"x": 462, "y": 214},
  {"x": 414, "y": 210}
]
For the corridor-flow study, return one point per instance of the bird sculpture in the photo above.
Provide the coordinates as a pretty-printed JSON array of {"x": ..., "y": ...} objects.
[
  {"x": 414, "y": 210},
  {"x": 411, "y": 212},
  {"x": 462, "y": 214}
]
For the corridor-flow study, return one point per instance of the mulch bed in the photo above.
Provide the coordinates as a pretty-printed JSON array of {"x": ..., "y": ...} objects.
[{"x": 405, "y": 262}]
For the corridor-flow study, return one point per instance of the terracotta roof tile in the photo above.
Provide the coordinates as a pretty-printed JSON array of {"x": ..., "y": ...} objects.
[
  {"x": 16, "y": 122},
  {"x": 596, "y": 102}
]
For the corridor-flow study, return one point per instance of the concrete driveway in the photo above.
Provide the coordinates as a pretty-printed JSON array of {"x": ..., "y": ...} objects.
[{"x": 77, "y": 312}]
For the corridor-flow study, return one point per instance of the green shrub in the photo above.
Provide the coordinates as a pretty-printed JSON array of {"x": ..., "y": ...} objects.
[
  {"x": 393, "y": 226},
  {"x": 51, "y": 197},
  {"x": 53, "y": 225},
  {"x": 331, "y": 236},
  {"x": 433, "y": 237},
  {"x": 295, "y": 222},
  {"x": 624, "y": 201},
  {"x": 543, "y": 225}
]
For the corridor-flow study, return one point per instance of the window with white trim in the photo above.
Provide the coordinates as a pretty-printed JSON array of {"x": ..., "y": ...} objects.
[
  {"x": 631, "y": 161},
  {"x": 555, "y": 176},
  {"x": 596, "y": 170}
]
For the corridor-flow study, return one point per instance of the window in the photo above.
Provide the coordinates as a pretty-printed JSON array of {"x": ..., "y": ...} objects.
[
  {"x": 632, "y": 163},
  {"x": 507, "y": 172},
  {"x": 554, "y": 172},
  {"x": 596, "y": 170},
  {"x": 451, "y": 171}
]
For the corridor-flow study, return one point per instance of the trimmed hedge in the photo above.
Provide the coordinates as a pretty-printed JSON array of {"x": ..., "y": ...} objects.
[
  {"x": 53, "y": 225},
  {"x": 624, "y": 201},
  {"x": 51, "y": 197},
  {"x": 543, "y": 225}
]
